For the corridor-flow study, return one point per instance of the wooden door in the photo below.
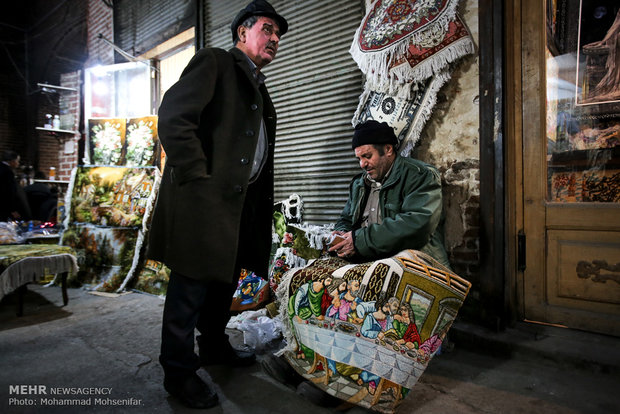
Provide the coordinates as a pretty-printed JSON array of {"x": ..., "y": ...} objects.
[{"x": 567, "y": 129}]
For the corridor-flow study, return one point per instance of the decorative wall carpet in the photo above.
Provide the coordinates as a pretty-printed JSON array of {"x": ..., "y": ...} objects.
[
  {"x": 586, "y": 186},
  {"x": 109, "y": 207},
  {"x": 153, "y": 278},
  {"x": 141, "y": 141},
  {"x": 252, "y": 292},
  {"x": 396, "y": 314},
  {"x": 105, "y": 255},
  {"x": 119, "y": 141},
  {"x": 106, "y": 140},
  {"x": 111, "y": 196},
  {"x": 299, "y": 244},
  {"x": 406, "y": 116},
  {"x": 422, "y": 61},
  {"x": 400, "y": 42}
]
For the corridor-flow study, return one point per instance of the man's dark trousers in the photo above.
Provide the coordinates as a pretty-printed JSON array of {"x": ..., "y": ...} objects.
[{"x": 191, "y": 304}]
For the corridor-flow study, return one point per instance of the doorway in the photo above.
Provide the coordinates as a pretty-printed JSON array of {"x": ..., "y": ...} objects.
[{"x": 566, "y": 130}]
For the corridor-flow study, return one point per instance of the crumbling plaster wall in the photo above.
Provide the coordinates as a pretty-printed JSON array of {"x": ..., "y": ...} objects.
[{"x": 450, "y": 142}]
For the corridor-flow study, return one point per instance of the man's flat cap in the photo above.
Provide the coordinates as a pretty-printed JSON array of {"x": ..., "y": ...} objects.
[{"x": 258, "y": 8}]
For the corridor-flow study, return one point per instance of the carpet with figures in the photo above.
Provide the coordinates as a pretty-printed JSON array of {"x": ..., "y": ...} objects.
[{"x": 365, "y": 332}]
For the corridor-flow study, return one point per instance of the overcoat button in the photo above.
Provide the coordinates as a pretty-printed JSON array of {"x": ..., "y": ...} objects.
[
  {"x": 238, "y": 189},
  {"x": 254, "y": 107},
  {"x": 249, "y": 133},
  {"x": 244, "y": 161}
]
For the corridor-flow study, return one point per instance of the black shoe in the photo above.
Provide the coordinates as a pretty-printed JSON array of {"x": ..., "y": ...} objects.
[
  {"x": 227, "y": 355},
  {"x": 280, "y": 370},
  {"x": 191, "y": 392}
]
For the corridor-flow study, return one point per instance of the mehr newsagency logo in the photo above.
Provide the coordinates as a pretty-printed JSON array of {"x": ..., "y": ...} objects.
[{"x": 42, "y": 395}]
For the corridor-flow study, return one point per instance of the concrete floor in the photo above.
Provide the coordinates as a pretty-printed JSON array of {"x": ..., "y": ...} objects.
[{"x": 112, "y": 345}]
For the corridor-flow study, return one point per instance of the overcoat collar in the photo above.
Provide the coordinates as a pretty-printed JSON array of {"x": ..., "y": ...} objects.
[{"x": 241, "y": 60}]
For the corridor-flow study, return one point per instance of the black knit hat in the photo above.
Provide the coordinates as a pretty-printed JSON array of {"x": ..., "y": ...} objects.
[
  {"x": 258, "y": 8},
  {"x": 373, "y": 132}
]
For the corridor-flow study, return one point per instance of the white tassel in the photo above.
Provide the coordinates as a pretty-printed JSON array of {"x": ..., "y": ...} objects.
[
  {"x": 294, "y": 201},
  {"x": 375, "y": 64},
  {"x": 65, "y": 222},
  {"x": 434, "y": 64},
  {"x": 292, "y": 260},
  {"x": 360, "y": 106},
  {"x": 316, "y": 235},
  {"x": 282, "y": 299},
  {"x": 419, "y": 121}
]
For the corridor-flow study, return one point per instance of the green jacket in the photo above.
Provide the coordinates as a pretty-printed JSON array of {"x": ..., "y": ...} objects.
[{"x": 411, "y": 207}]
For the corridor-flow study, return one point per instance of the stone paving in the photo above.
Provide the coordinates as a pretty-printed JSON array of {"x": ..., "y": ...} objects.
[{"x": 99, "y": 354}]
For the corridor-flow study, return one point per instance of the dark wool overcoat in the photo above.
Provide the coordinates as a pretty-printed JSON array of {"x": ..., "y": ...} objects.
[{"x": 209, "y": 125}]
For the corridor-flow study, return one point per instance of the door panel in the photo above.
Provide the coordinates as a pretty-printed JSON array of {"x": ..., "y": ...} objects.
[
  {"x": 570, "y": 123},
  {"x": 584, "y": 270}
]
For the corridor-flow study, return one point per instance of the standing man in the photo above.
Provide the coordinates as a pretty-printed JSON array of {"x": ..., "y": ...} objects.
[
  {"x": 213, "y": 215},
  {"x": 394, "y": 204}
]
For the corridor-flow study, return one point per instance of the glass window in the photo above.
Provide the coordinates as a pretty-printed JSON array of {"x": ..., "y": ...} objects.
[
  {"x": 123, "y": 90},
  {"x": 583, "y": 101}
]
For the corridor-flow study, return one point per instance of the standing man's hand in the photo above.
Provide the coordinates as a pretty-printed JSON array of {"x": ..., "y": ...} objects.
[{"x": 345, "y": 247}]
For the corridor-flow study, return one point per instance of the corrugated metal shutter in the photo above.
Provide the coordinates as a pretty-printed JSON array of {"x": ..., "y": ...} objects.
[
  {"x": 315, "y": 86},
  {"x": 141, "y": 25}
]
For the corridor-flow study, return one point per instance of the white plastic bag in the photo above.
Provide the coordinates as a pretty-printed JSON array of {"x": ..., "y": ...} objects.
[{"x": 258, "y": 329}]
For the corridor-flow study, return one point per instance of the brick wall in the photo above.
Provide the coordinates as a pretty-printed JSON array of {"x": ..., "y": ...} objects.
[
  {"x": 70, "y": 109},
  {"x": 62, "y": 151},
  {"x": 100, "y": 21},
  {"x": 53, "y": 147},
  {"x": 461, "y": 191}
]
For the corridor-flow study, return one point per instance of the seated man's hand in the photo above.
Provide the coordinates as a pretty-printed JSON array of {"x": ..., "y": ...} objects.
[{"x": 343, "y": 248}]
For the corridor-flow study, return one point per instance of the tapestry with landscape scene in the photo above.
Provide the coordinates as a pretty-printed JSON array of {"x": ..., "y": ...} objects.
[{"x": 108, "y": 210}]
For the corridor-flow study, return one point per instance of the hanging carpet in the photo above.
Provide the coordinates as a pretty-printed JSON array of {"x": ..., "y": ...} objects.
[
  {"x": 405, "y": 48},
  {"x": 400, "y": 42},
  {"x": 406, "y": 116}
]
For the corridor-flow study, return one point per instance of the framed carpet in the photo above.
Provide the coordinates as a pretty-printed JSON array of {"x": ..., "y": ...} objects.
[
  {"x": 105, "y": 255},
  {"x": 585, "y": 186},
  {"x": 365, "y": 332}
]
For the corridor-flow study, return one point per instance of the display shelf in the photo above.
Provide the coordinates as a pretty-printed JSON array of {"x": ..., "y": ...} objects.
[
  {"x": 585, "y": 159},
  {"x": 59, "y": 131},
  {"x": 53, "y": 181}
]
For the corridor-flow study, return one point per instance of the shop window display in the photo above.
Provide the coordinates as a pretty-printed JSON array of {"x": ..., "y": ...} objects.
[{"x": 583, "y": 101}]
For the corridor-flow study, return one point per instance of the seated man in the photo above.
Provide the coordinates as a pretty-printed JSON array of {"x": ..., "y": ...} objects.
[{"x": 395, "y": 204}]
